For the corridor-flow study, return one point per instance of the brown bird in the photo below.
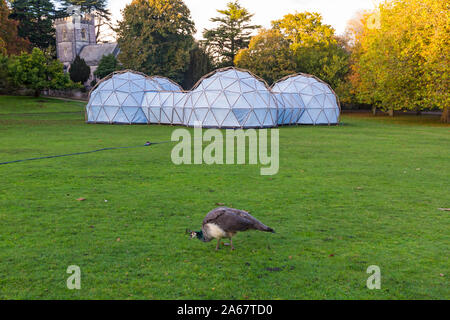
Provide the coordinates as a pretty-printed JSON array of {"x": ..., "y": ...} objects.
[{"x": 225, "y": 222}]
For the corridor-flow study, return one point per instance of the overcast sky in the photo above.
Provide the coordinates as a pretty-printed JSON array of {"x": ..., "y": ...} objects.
[{"x": 334, "y": 12}]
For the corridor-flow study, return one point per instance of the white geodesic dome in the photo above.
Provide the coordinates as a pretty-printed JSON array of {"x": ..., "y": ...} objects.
[
  {"x": 230, "y": 98},
  {"x": 305, "y": 99},
  {"x": 126, "y": 96},
  {"x": 164, "y": 104}
]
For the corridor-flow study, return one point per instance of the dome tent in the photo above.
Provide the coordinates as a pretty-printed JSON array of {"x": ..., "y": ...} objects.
[
  {"x": 230, "y": 98},
  {"x": 121, "y": 98},
  {"x": 307, "y": 99},
  {"x": 118, "y": 99},
  {"x": 164, "y": 103}
]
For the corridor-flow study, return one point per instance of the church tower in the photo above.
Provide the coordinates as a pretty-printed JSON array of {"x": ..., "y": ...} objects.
[{"x": 73, "y": 33}]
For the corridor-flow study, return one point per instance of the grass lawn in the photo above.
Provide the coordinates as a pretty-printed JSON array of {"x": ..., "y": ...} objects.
[{"x": 346, "y": 197}]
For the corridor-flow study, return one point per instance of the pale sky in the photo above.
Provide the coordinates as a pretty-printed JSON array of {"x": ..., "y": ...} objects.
[{"x": 334, "y": 12}]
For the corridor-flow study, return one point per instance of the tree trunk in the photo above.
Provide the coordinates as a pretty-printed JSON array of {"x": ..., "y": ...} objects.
[
  {"x": 37, "y": 93},
  {"x": 391, "y": 112},
  {"x": 374, "y": 110},
  {"x": 445, "y": 115}
]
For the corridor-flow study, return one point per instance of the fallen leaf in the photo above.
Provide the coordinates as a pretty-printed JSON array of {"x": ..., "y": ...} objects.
[
  {"x": 444, "y": 209},
  {"x": 441, "y": 274},
  {"x": 331, "y": 255},
  {"x": 81, "y": 199},
  {"x": 220, "y": 204},
  {"x": 118, "y": 239},
  {"x": 290, "y": 257}
]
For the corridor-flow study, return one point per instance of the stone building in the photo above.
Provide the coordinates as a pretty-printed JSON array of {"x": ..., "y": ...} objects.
[{"x": 75, "y": 35}]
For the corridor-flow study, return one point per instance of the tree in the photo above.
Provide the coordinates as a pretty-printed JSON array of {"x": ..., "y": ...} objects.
[
  {"x": 4, "y": 72},
  {"x": 199, "y": 65},
  {"x": 155, "y": 37},
  {"x": 315, "y": 46},
  {"x": 79, "y": 71},
  {"x": 10, "y": 42},
  {"x": 35, "y": 21},
  {"x": 37, "y": 72},
  {"x": 107, "y": 65},
  {"x": 402, "y": 63},
  {"x": 232, "y": 34},
  {"x": 97, "y": 7},
  {"x": 268, "y": 55}
]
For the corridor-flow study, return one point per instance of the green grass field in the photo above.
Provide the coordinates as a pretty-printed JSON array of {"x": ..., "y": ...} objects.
[{"x": 346, "y": 197}]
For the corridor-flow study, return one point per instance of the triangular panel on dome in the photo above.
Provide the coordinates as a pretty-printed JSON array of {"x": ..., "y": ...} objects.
[
  {"x": 140, "y": 117},
  {"x": 260, "y": 114},
  {"x": 314, "y": 114},
  {"x": 102, "y": 117},
  {"x": 252, "y": 121},
  {"x": 221, "y": 102},
  {"x": 166, "y": 115},
  {"x": 130, "y": 102},
  {"x": 269, "y": 121},
  {"x": 156, "y": 113},
  {"x": 331, "y": 116},
  {"x": 138, "y": 96},
  {"x": 93, "y": 113},
  {"x": 322, "y": 118},
  {"x": 202, "y": 102},
  {"x": 305, "y": 118},
  {"x": 112, "y": 101},
  {"x": 241, "y": 115},
  {"x": 201, "y": 114},
  {"x": 220, "y": 114},
  {"x": 210, "y": 120},
  {"x": 130, "y": 112},
  {"x": 230, "y": 121},
  {"x": 120, "y": 117},
  {"x": 177, "y": 116},
  {"x": 111, "y": 112},
  {"x": 152, "y": 118},
  {"x": 96, "y": 99},
  {"x": 226, "y": 82}
]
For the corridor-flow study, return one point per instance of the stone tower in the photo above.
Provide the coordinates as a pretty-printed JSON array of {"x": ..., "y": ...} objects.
[{"x": 73, "y": 33}]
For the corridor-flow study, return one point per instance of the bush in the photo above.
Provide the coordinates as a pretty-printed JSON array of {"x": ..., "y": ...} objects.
[
  {"x": 38, "y": 72},
  {"x": 107, "y": 65}
]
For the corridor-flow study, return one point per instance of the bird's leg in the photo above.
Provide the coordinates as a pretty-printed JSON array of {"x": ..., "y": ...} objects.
[
  {"x": 218, "y": 244},
  {"x": 231, "y": 243}
]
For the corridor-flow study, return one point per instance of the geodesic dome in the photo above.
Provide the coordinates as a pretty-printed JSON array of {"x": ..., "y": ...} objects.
[
  {"x": 305, "y": 99},
  {"x": 164, "y": 105},
  {"x": 122, "y": 98},
  {"x": 230, "y": 98}
]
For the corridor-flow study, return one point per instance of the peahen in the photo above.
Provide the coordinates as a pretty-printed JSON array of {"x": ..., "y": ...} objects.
[{"x": 225, "y": 223}]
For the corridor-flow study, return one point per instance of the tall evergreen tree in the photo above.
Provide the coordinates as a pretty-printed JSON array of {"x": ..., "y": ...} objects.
[
  {"x": 199, "y": 65},
  {"x": 155, "y": 37},
  {"x": 232, "y": 34},
  {"x": 79, "y": 71},
  {"x": 35, "y": 21}
]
